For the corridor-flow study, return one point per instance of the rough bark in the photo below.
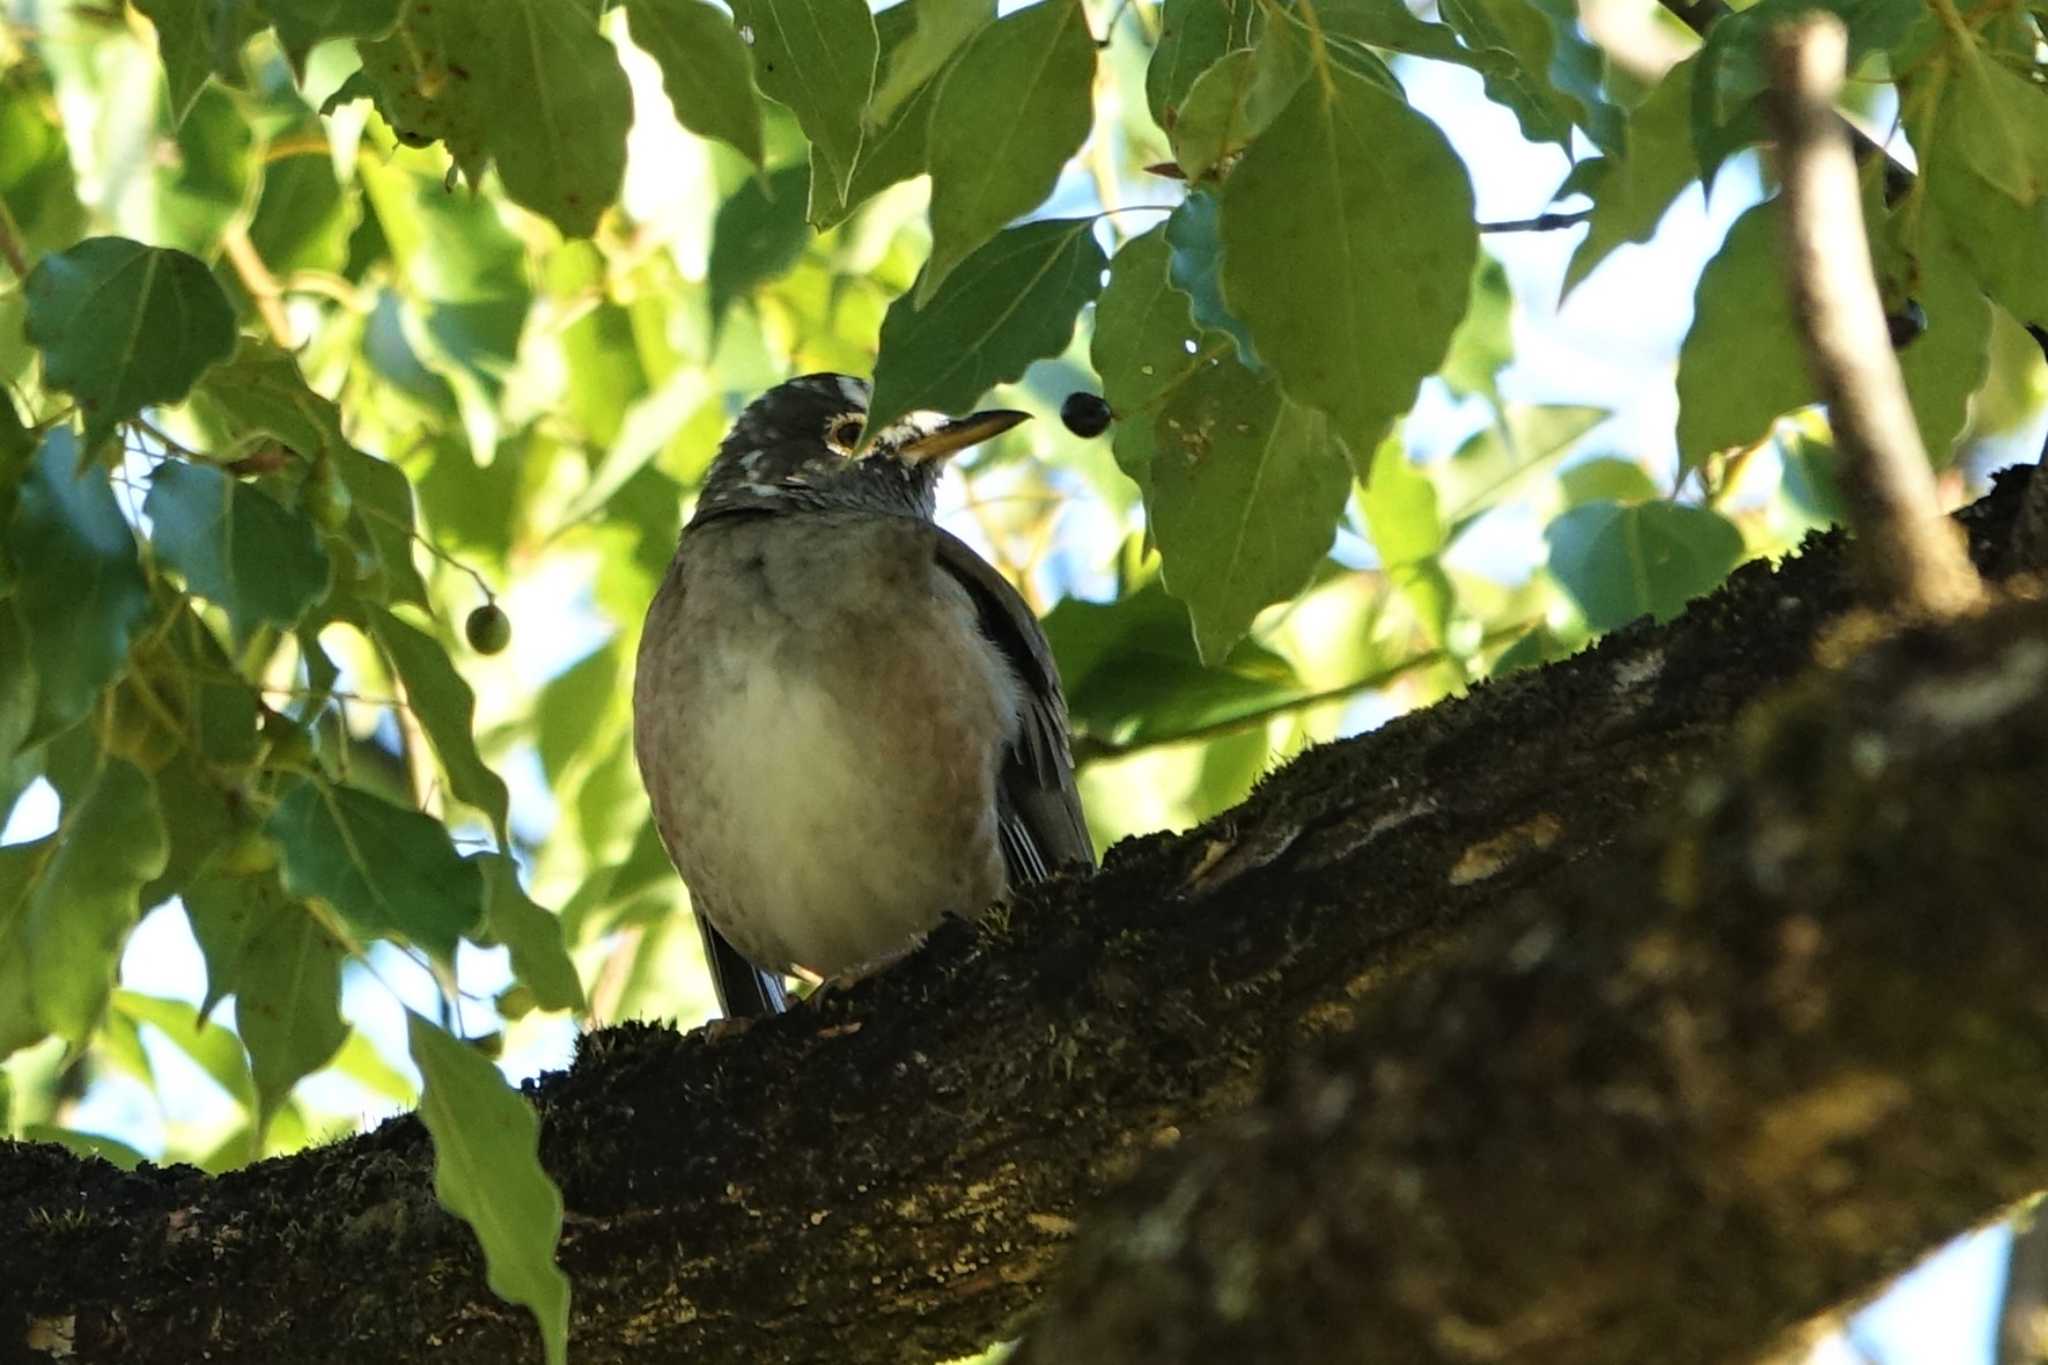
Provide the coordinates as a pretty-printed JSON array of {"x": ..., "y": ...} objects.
[{"x": 893, "y": 1174}]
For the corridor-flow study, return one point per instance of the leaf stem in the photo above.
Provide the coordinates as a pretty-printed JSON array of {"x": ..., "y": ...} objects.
[{"x": 12, "y": 248}]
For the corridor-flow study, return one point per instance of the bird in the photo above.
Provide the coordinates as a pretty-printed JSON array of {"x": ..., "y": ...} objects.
[{"x": 848, "y": 723}]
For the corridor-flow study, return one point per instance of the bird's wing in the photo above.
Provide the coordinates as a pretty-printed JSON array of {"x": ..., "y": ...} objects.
[
  {"x": 1038, "y": 805},
  {"x": 744, "y": 990}
]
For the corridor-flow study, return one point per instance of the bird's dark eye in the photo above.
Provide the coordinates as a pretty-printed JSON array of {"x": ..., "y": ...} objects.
[{"x": 844, "y": 433}]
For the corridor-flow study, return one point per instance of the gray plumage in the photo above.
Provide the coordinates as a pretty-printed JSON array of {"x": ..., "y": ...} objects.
[{"x": 848, "y": 723}]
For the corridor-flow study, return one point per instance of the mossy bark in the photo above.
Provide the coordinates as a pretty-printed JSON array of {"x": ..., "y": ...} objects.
[{"x": 895, "y": 1173}]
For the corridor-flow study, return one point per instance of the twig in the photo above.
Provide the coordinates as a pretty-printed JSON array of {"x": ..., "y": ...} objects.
[
  {"x": 255, "y": 276},
  {"x": 1542, "y": 222},
  {"x": 1088, "y": 748},
  {"x": 1912, "y": 556}
]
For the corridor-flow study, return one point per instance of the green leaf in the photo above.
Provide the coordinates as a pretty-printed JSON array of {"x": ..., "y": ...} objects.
[
  {"x": 303, "y": 23},
  {"x": 1193, "y": 36},
  {"x": 533, "y": 935},
  {"x": 83, "y": 901},
  {"x": 1401, "y": 507},
  {"x": 1140, "y": 347},
  {"x": 1742, "y": 364},
  {"x": 1997, "y": 121},
  {"x": 1226, "y": 107},
  {"x": 818, "y": 57},
  {"x": 386, "y": 870},
  {"x": 1499, "y": 460},
  {"x": 1484, "y": 342},
  {"x": 360, "y": 1061},
  {"x": 1246, "y": 492},
  {"x": 487, "y": 1172},
  {"x": 1132, "y": 676},
  {"x": 1513, "y": 43},
  {"x": 236, "y": 545},
  {"x": 1012, "y": 302},
  {"x": 943, "y": 28},
  {"x": 185, "y": 42},
  {"x": 758, "y": 235},
  {"x": 86, "y": 598},
  {"x": 445, "y": 708},
  {"x": 559, "y": 108},
  {"x": 122, "y": 325},
  {"x": 260, "y": 392},
  {"x": 1644, "y": 174},
  {"x": 226, "y": 913},
  {"x": 302, "y": 218},
  {"x": 890, "y": 152},
  {"x": 382, "y": 521},
  {"x": 1607, "y": 479},
  {"x": 1619, "y": 562},
  {"x": 17, "y": 699},
  {"x": 704, "y": 68},
  {"x": 21, "y": 867},
  {"x": 1194, "y": 266},
  {"x": 37, "y": 184},
  {"x": 216, "y": 1049},
  {"x": 1017, "y": 103},
  {"x": 412, "y": 77},
  {"x": 211, "y": 175},
  {"x": 288, "y": 1003},
  {"x": 113, "y": 1151},
  {"x": 1348, "y": 244}
]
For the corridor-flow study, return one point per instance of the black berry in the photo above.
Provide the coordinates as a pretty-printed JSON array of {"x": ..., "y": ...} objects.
[
  {"x": 488, "y": 628},
  {"x": 1086, "y": 414},
  {"x": 1907, "y": 324}
]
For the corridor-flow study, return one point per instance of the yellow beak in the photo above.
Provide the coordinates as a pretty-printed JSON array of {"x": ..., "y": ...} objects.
[{"x": 959, "y": 434}]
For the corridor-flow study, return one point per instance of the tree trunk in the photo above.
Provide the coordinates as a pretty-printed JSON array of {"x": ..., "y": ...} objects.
[{"x": 1579, "y": 1108}]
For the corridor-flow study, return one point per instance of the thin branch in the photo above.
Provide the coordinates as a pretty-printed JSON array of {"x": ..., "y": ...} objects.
[
  {"x": 12, "y": 249},
  {"x": 1912, "y": 556},
  {"x": 1542, "y": 222},
  {"x": 255, "y": 276},
  {"x": 1088, "y": 749}
]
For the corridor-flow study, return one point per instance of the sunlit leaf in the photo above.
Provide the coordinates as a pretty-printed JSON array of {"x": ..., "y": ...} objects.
[
  {"x": 216, "y": 1049},
  {"x": 1742, "y": 364},
  {"x": 758, "y": 235},
  {"x": 1246, "y": 491},
  {"x": 1010, "y": 303},
  {"x": 237, "y": 545},
  {"x": 37, "y": 183},
  {"x": 943, "y": 27},
  {"x": 122, "y": 325},
  {"x": 818, "y": 57},
  {"x": 83, "y": 900},
  {"x": 81, "y": 607},
  {"x": 1348, "y": 245},
  {"x": 382, "y": 521},
  {"x": 559, "y": 108},
  {"x": 1193, "y": 36},
  {"x": 704, "y": 68},
  {"x": 302, "y": 218},
  {"x": 1643, "y": 176},
  {"x": 1144, "y": 347},
  {"x": 1012, "y": 109},
  {"x": 302, "y": 23},
  {"x": 288, "y": 1003},
  {"x": 388, "y": 871},
  {"x": 534, "y": 936},
  {"x": 212, "y": 173},
  {"x": 1484, "y": 342},
  {"x": 1620, "y": 562},
  {"x": 445, "y": 708},
  {"x": 487, "y": 1172}
]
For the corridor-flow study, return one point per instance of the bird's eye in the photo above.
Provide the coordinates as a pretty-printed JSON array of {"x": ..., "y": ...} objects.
[{"x": 844, "y": 433}]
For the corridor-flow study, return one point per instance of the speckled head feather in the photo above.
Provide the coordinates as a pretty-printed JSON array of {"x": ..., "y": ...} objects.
[{"x": 795, "y": 449}]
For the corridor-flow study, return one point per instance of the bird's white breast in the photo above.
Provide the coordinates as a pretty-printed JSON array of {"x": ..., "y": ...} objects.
[{"x": 830, "y": 722}]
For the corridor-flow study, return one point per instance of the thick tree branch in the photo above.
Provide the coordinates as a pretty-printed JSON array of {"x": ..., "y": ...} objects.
[
  {"x": 1911, "y": 554},
  {"x": 1741, "y": 1072},
  {"x": 892, "y": 1175}
]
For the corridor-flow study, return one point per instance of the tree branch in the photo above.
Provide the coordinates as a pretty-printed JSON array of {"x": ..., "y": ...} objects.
[
  {"x": 891, "y": 1174},
  {"x": 1910, "y": 552}
]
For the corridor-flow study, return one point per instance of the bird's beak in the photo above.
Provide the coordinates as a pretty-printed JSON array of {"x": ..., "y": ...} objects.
[{"x": 959, "y": 434}]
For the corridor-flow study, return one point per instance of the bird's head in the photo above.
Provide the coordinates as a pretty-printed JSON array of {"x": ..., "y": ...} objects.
[{"x": 799, "y": 447}]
